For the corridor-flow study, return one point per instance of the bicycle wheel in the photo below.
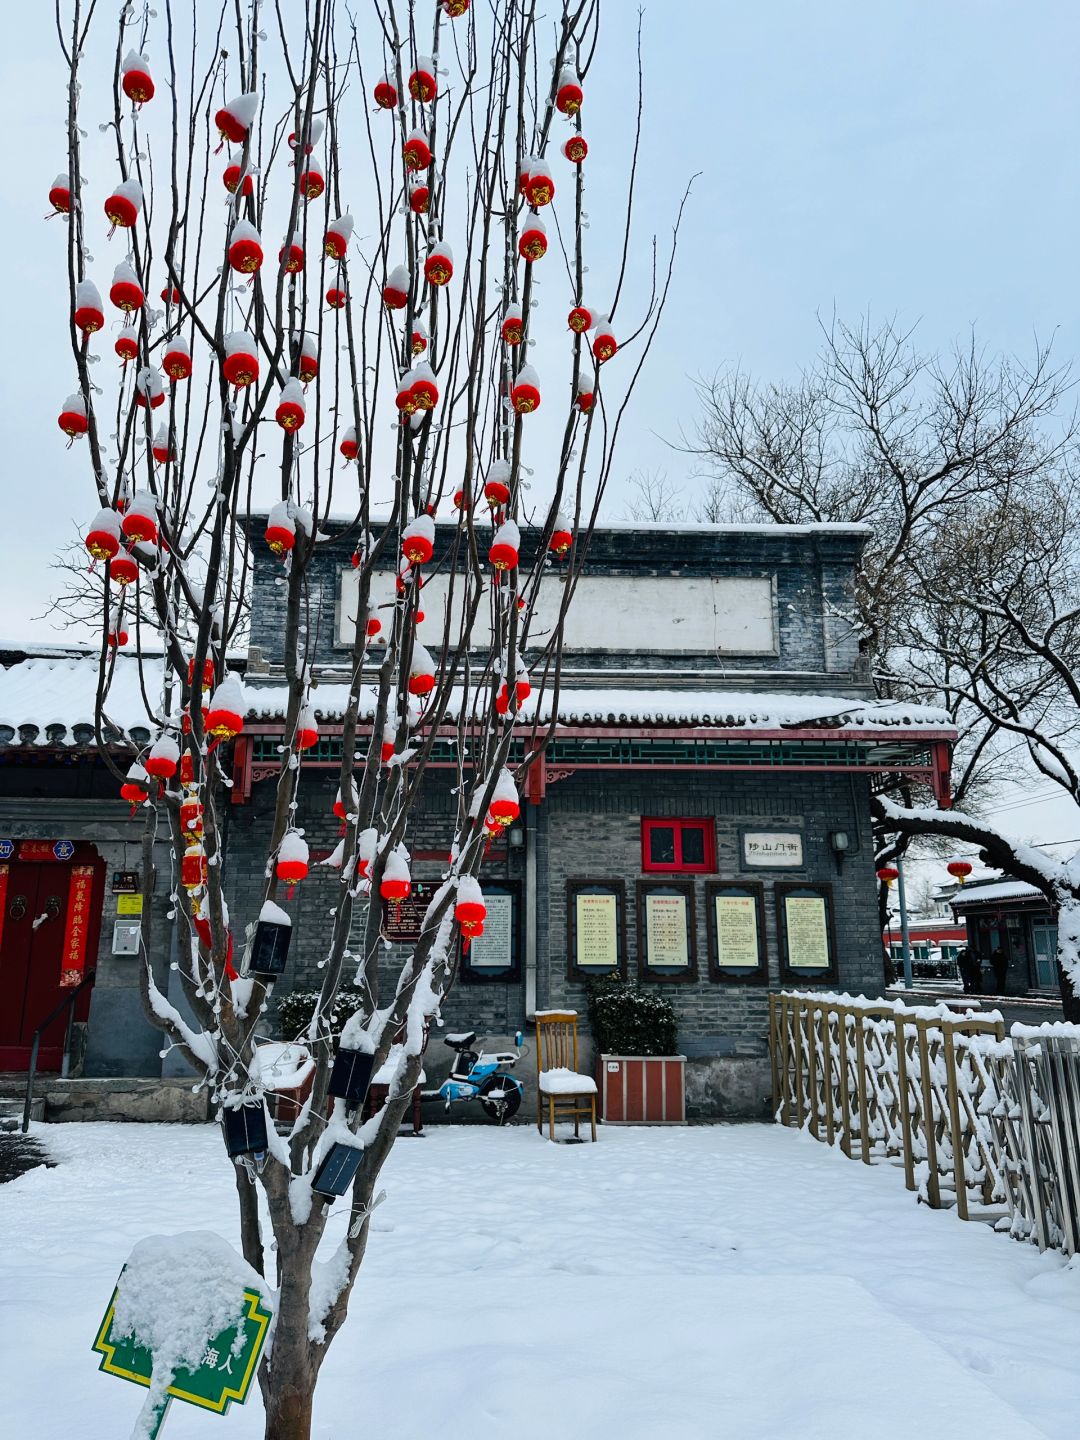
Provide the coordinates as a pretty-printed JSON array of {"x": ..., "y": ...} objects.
[{"x": 500, "y": 1098}]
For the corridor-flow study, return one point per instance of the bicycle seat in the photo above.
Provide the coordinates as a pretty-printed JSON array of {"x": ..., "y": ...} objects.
[{"x": 460, "y": 1042}]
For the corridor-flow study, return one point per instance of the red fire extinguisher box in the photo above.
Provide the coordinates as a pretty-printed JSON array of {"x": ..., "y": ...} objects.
[{"x": 643, "y": 1089}]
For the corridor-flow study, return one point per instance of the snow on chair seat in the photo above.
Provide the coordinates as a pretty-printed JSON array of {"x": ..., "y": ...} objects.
[{"x": 563, "y": 1090}]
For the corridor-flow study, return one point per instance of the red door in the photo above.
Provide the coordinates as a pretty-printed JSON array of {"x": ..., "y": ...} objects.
[{"x": 31, "y": 947}]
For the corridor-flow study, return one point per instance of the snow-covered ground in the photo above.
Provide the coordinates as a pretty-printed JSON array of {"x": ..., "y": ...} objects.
[{"x": 734, "y": 1280}]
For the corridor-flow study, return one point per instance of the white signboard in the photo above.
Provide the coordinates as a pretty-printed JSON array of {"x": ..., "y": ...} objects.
[
  {"x": 494, "y": 950},
  {"x": 772, "y": 849},
  {"x": 722, "y": 614}
]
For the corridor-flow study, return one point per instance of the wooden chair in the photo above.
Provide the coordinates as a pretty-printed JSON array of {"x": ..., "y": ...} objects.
[{"x": 562, "y": 1089}]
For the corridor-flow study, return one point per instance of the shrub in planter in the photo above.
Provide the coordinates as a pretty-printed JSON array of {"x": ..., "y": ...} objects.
[
  {"x": 295, "y": 1010},
  {"x": 626, "y": 1019}
]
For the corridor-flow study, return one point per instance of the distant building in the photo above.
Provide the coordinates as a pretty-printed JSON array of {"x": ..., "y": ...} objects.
[{"x": 1016, "y": 916}]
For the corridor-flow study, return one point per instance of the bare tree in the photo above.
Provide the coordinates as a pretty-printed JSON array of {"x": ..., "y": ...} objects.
[
  {"x": 654, "y": 498},
  {"x": 476, "y": 122}
]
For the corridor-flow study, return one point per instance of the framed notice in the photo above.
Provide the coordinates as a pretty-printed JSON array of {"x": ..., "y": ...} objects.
[
  {"x": 595, "y": 927},
  {"x": 804, "y": 928},
  {"x": 495, "y": 955},
  {"x": 736, "y": 926},
  {"x": 666, "y": 949}
]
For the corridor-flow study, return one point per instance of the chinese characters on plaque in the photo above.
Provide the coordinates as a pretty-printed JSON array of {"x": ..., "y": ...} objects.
[
  {"x": 494, "y": 950},
  {"x": 772, "y": 849},
  {"x": 807, "y": 928},
  {"x": 667, "y": 931},
  {"x": 736, "y": 932},
  {"x": 73, "y": 956},
  {"x": 596, "y": 930}
]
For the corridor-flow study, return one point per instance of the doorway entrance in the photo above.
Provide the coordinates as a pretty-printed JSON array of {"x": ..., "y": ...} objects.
[{"x": 1045, "y": 939}]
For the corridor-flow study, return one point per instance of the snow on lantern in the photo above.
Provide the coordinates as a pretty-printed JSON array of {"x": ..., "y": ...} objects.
[
  {"x": 60, "y": 194},
  {"x": 540, "y": 186},
  {"x": 136, "y": 81},
  {"x": 404, "y": 399},
  {"x": 575, "y": 149},
  {"x": 505, "y": 546},
  {"x": 193, "y": 868},
  {"x": 245, "y": 248},
  {"x": 149, "y": 387},
  {"x": 416, "y": 152},
  {"x": 562, "y": 537},
  {"x": 396, "y": 882},
  {"x": 103, "y": 537},
  {"x": 389, "y": 745},
  {"x": 162, "y": 448},
  {"x": 337, "y": 298},
  {"x": 170, "y": 294},
  {"x": 291, "y": 410},
  {"x": 349, "y": 447},
  {"x": 419, "y": 341},
  {"x": 123, "y": 205},
  {"x": 525, "y": 394},
  {"x": 292, "y": 860},
  {"x": 234, "y": 119},
  {"x": 522, "y": 691},
  {"x": 373, "y": 628},
  {"x": 340, "y": 812},
  {"x": 123, "y": 570},
  {"x": 580, "y": 319},
  {"x": 136, "y": 787},
  {"x": 424, "y": 391},
  {"x": 418, "y": 540},
  {"x": 231, "y": 181},
  {"x": 140, "y": 518},
  {"x": 439, "y": 265},
  {"x": 307, "y": 729},
  {"x": 163, "y": 759},
  {"x": 314, "y": 135},
  {"x": 959, "y": 869},
  {"x": 89, "y": 315},
  {"x": 176, "y": 361},
  {"x": 586, "y": 389},
  {"x": 497, "y": 484},
  {"x": 312, "y": 181},
  {"x": 505, "y": 807},
  {"x": 116, "y": 634},
  {"x": 292, "y": 256},
  {"x": 228, "y": 706},
  {"x": 241, "y": 364},
  {"x": 127, "y": 346},
  {"x": 421, "y": 671},
  {"x": 385, "y": 94},
  {"x": 533, "y": 243},
  {"x": 604, "y": 343},
  {"x": 72, "y": 419},
  {"x": 513, "y": 326},
  {"x": 338, "y": 234},
  {"x": 469, "y": 908},
  {"x": 419, "y": 197},
  {"x": 568, "y": 94},
  {"x": 395, "y": 291},
  {"x": 367, "y": 842},
  {"x": 280, "y": 533},
  {"x": 423, "y": 85},
  {"x": 887, "y": 874},
  {"x": 308, "y": 360}
]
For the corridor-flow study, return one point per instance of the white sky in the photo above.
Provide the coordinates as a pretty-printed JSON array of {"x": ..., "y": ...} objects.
[{"x": 914, "y": 158}]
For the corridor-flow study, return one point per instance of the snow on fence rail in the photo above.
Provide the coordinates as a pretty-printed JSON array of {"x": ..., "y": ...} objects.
[{"x": 982, "y": 1120}]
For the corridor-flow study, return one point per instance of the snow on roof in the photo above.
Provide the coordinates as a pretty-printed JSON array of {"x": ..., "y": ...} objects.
[
  {"x": 381, "y": 514},
  {"x": 59, "y": 692},
  {"x": 994, "y": 890}
]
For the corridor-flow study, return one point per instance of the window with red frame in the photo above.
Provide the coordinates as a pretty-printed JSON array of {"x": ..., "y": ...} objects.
[{"x": 670, "y": 846}]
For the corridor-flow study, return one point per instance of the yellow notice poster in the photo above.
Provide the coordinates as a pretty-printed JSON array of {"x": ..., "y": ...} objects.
[
  {"x": 596, "y": 931},
  {"x": 807, "y": 932},
  {"x": 665, "y": 931},
  {"x": 736, "y": 932},
  {"x": 129, "y": 904}
]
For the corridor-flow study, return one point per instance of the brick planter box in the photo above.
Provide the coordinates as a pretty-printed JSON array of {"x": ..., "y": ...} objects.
[{"x": 642, "y": 1090}]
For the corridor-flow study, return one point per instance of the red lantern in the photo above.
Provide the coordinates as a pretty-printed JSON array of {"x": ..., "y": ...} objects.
[
  {"x": 127, "y": 347},
  {"x": 336, "y": 298},
  {"x": 338, "y": 235},
  {"x": 340, "y": 812},
  {"x": 417, "y": 151},
  {"x": 505, "y": 547},
  {"x": 307, "y": 729},
  {"x": 245, "y": 248},
  {"x": 231, "y": 179},
  {"x": 396, "y": 290},
  {"x": 280, "y": 533},
  {"x": 140, "y": 519},
  {"x": 193, "y": 868},
  {"x": 187, "y": 767},
  {"x": 419, "y": 341},
  {"x": 524, "y": 173},
  {"x": 103, "y": 537},
  {"x": 162, "y": 448},
  {"x": 241, "y": 364},
  {"x": 586, "y": 389},
  {"x": 421, "y": 671},
  {"x": 89, "y": 316},
  {"x": 604, "y": 344},
  {"x": 419, "y": 199},
  {"x": 522, "y": 691},
  {"x": 291, "y": 410},
  {"x": 568, "y": 96},
  {"x": 469, "y": 907},
  {"x": 312, "y": 181},
  {"x": 513, "y": 327},
  {"x": 233, "y": 120},
  {"x": 385, "y": 94},
  {"x": 123, "y": 570},
  {"x": 497, "y": 485},
  {"x": 959, "y": 869},
  {"x": 575, "y": 149},
  {"x": 149, "y": 388},
  {"x": 423, "y": 85},
  {"x": 135, "y": 789},
  {"x": 207, "y": 673},
  {"x": 540, "y": 186},
  {"x": 116, "y": 636},
  {"x": 424, "y": 391},
  {"x": 439, "y": 265},
  {"x": 191, "y": 820},
  {"x": 562, "y": 537},
  {"x": 313, "y": 137},
  {"x": 308, "y": 366},
  {"x": 294, "y": 260},
  {"x": 505, "y": 808},
  {"x": 887, "y": 874},
  {"x": 525, "y": 395},
  {"x": 72, "y": 419},
  {"x": 389, "y": 744},
  {"x": 452, "y": 9},
  {"x": 225, "y": 717},
  {"x": 373, "y": 627},
  {"x": 60, "y": 194},
  {"x": 123, "y": 205},
  {"x": 418, "y": 540},
  {"x": 348, "y": 447},
  {"x": 163, "y": 759},
  {"x": 292, "y": 861},
  {"x": 176, "y": 361},
  {"x": 580, "y": 319},
  {"x": 171, "y": 295},
  {"x": 533, "y": 243},
  {"x": 396, "y": 881},
  {"x": 136, "y": 83}
]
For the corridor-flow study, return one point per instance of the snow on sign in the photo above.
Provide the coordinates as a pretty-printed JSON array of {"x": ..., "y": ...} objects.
[
  {"x": 721, "y": 614},
  {"x": 186, "y": 1322}
]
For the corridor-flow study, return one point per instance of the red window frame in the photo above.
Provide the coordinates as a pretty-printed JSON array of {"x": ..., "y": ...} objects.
[{"x": 679, "y": 823}]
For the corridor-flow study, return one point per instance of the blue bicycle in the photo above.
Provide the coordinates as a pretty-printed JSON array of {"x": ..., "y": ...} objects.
[{"x": 476, "y": 1076}]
